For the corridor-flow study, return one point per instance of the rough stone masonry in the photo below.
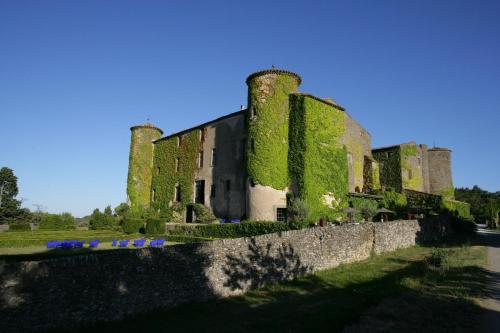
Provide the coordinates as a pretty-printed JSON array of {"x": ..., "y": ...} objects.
[{"x": 64, "y": 292}]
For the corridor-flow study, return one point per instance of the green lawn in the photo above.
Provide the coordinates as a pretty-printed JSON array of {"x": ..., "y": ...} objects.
[
  {"x": 31, "y": 245},
  {"x": 40, "y": 237},
  {"x": 400, "y": 288}
]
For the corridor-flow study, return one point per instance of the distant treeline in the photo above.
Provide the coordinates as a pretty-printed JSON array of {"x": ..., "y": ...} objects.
[{"x": 484, "y": 205}]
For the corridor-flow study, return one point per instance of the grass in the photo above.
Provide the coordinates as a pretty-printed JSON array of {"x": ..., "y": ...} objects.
[
  {"x": 30, "y": 245},
  {"x": 400, "y": 288},
  {"x": 40, "y": 237}
]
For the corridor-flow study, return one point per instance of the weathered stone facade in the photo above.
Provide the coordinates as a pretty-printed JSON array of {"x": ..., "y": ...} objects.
[
  {"x": 417, "y": 168},
  {"x": 251, "y": 177}
]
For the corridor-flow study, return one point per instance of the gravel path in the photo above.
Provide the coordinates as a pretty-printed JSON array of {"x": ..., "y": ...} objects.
[{"x": 491, "y": 321}]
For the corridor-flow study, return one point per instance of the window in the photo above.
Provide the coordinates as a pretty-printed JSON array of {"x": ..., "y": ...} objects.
[
  {"x": 212, "y": 191},
  {"x": 200, "y": 159},
  {"x": 153, "y": 195},
  {"x": 281, "y": 214},
  {"x": 177, "y": 165},
  {"x": 177, "y": 193},
  {"x": 228, "y": 185},
  {"x": 199, "y": 196},
  {"x": 214, "y": 157}
]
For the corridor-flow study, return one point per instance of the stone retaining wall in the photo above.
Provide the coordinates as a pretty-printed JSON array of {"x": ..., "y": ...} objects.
[{"x": 69, "y": 291}]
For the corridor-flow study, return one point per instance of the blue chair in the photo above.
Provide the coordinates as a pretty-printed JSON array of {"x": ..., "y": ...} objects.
[
  {"x": 235, "y": 221},
  {"x": 153, "y": 243},
  {"x": 160, "y": 242},
  {"x": 114, "y": 242},
  {"x": 139, "y": 242},
  {"x": 79, "y": 244},
  {"x": 94, "y": 243},
  {"x": 124, "y": 243},
  {"x": 51, "y": 244}
]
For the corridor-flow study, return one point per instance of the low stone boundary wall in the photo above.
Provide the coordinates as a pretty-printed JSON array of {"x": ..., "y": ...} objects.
[{"x": 69, "y": 291}]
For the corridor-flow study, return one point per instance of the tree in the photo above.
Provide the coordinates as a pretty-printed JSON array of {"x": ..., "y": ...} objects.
[
  {"x": 10, "y": 207},
  {"x": 100, "y": 220},
  {"x": 122, "y": 209},
  {"x": 108, "y": 211}
]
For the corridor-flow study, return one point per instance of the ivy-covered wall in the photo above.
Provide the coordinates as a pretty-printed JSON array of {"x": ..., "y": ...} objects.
[
  {"x": 375, "y": 175},
  {"x": 437, "y": 203},
  {"x": 267, "y": 123},
  {"x": 165, "y": 176},
  {"x": 140, "y": 165},
  {"x": 458, "y": 207},
  {"x": 317, "y": 161},
  {"x": 409, "y": 165},
  {"x": 389, "y": 160}
]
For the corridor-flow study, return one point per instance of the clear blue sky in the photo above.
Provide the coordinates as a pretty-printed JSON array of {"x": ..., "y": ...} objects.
[{"x": 75, "y": 75}]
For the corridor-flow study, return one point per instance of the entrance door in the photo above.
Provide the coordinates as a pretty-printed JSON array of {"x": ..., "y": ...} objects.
[
  {"x": 189, "y": 214},
  {"x": 199, "y": 196}
]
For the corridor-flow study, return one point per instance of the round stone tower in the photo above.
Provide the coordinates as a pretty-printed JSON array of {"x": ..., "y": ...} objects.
[
  {"x": 267, "y": 141},
  {"x": 141, "y": 164},
  {"x": 440, "y": 179}
]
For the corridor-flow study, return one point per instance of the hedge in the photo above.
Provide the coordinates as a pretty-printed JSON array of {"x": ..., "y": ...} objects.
[
  {"x": 57, "y": 222},
  {"x": 232, "y": 230},
  {"x": 19, "y": 226},
  {"x": 155, "y": 226},
  {"x": 132, "y": 226}
]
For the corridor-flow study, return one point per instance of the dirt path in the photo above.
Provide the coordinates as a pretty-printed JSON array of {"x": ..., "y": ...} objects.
[{"x": 491, "y": 321}]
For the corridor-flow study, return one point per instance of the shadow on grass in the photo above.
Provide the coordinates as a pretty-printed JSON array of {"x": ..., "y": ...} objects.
[{"x": 330, "y": 300}]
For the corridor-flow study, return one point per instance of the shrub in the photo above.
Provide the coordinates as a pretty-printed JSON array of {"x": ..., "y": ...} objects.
[
  {"x": 19, "y": 226},
  {"x": 155, "y": 226},
  {"x": 297, "y": 224},
  {"x": 132, "y": 225},
  {"x": 64, "y": 221},
  {"x": 203, "y": 214},
  {"x": 367, "y": 209},
  {"x": 99, "y": 221},
  {"x": 232, "y": 230},
  {"x": 296, "y": 210},
  {"x": 462, "y": 225}
]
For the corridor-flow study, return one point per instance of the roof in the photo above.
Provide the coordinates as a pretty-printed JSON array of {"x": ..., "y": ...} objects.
[
  {"x": 274, "y": 71},
  {"x": 328, "y": 101},
  {"x": 234, "y": 114},
  {"x": 439, "y": 149},
  {"x": 146, "y": 125}
]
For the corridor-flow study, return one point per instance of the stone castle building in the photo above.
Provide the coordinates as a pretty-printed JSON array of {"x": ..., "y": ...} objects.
[{"x": 246, "y": 164}]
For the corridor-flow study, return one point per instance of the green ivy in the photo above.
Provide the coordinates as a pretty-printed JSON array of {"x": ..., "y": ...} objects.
[
  {"x": 393, "y": 200},
  {"x": 416, "y": 182},
  {"x": 164, "y": 181},
  {"x": 448, "y": 192},
  {"x": 140, "y": 160},
  {"x": 390, "y": 167},
  {"x": 462, "y": 209},
  {"x": 375, "y": 176},
  {"x": 267, "y": 144},
  {"x": 317, "y": 161}
]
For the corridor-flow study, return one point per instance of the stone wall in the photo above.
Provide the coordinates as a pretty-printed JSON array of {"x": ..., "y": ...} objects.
[{"x": 69, "y": 291}]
